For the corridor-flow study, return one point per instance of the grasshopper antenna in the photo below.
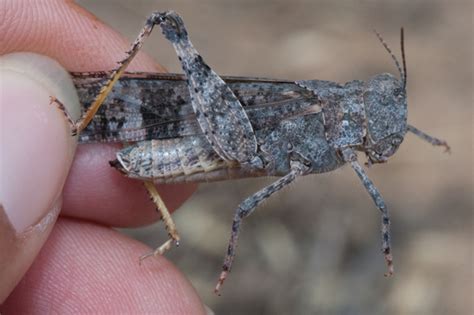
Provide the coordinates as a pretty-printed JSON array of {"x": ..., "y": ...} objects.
[
  {"x": 434, "y": 141},
  {"x": 403, "y": 74},
  {"x": 402, "y": 48}
]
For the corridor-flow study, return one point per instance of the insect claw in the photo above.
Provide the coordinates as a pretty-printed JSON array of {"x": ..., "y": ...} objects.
[
  {"x": 447, "y": 148},
  {"x": 73, "y": 125},
  {"x": 389, "y": 273},
  {"x": 389, "y": 261},
  {"x": 74, "y": 130},
  {"x": 220, "y": 282},
  {"x": 143, "y": 257},
  {"x": 157, "y": 252}
]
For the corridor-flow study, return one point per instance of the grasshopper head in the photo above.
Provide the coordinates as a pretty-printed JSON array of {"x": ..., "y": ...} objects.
[
  {"x": 172, "y": 26},
  {"x": 386, "y": 109},
  {"x": 385, "y": 102}
]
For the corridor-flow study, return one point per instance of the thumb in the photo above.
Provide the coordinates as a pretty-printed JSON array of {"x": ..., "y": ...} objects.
[{"x": 36, "y": 151}]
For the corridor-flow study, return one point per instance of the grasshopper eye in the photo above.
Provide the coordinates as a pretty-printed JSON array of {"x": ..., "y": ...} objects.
[{"x": 399, "y": 92}]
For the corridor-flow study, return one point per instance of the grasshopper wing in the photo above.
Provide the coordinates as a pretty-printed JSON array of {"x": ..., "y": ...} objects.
[{"x": 220, "y": 114}]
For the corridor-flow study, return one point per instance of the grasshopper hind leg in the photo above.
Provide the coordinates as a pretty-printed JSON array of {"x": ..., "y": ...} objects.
[
  {"x": 78, "y": 125},
  {"x": 167, "y": 219}
]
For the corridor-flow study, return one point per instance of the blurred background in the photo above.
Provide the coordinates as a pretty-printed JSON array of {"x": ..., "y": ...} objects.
[{"x": 315, "y": 247}]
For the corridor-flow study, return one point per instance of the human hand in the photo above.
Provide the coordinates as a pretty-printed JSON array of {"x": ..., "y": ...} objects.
[{"x": 84, "y": 266}]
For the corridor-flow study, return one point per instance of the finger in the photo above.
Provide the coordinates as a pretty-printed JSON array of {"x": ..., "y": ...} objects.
[
  {"x": 84, "y": 265},
  {"x": 80, "y": 42},
  {"x": 67, "y": 33},
  {"x": 32, "y": 167}
]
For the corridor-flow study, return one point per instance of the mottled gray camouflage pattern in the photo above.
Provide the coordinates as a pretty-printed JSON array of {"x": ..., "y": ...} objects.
[{"x": 201, "y": 127}]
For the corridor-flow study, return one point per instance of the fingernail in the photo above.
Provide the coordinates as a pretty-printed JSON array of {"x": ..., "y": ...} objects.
[{"x": 36, "y": 148}]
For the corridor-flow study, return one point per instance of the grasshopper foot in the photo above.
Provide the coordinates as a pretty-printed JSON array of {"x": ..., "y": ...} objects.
[
  {"x": 62, "y": 108},
  {"x": 389, "y": 261},
  {"x": 220, "y": 282},
  {"x": 447, "y": 148},
  {"x": 159, "y": 251},
  {"x": 165, "y": 216}
]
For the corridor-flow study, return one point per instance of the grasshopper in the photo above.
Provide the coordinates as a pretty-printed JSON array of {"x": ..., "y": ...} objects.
[{"x": 200, "y": 127}]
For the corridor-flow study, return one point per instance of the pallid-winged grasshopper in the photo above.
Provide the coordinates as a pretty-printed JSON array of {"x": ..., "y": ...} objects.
[{"x": 200, "y": 127}]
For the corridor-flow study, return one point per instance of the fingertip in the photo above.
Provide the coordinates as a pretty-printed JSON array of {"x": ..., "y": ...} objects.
[
  {"x": 69, "y": 34},
  {"x": 36, "y": 150},
  {"x": 82, "y": 265},
  {"x": 36, "y": 146},
  {"x": 81, "y": 42}
]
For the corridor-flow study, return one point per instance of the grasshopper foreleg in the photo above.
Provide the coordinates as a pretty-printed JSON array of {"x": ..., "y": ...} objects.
[
  {"x": 247, "y": 207},
  {"x": 351, "y": 157},
  {"x": 167, "y": 220},
  {"x": 428, "y": 138}
]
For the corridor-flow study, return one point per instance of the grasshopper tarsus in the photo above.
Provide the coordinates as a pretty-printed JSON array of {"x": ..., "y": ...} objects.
[
  {"x": 220, "y": 282},
  {"x": 165, "y": 217},
  {"x": 447, "y": 148},
  {"x": 159, "y": 251},
  {"x": 145, "y": 256},
  {"x": 389, "y": 262},
  {"x": 72, "y": 124}
]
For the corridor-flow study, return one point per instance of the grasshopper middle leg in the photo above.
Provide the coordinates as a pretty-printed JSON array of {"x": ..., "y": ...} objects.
[
  {"x": 351, "y": 157},
  {"x": 246, "y": 208}
]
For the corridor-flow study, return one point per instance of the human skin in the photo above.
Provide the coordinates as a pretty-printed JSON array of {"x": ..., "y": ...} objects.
[{"x": 85, "y": 266}]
